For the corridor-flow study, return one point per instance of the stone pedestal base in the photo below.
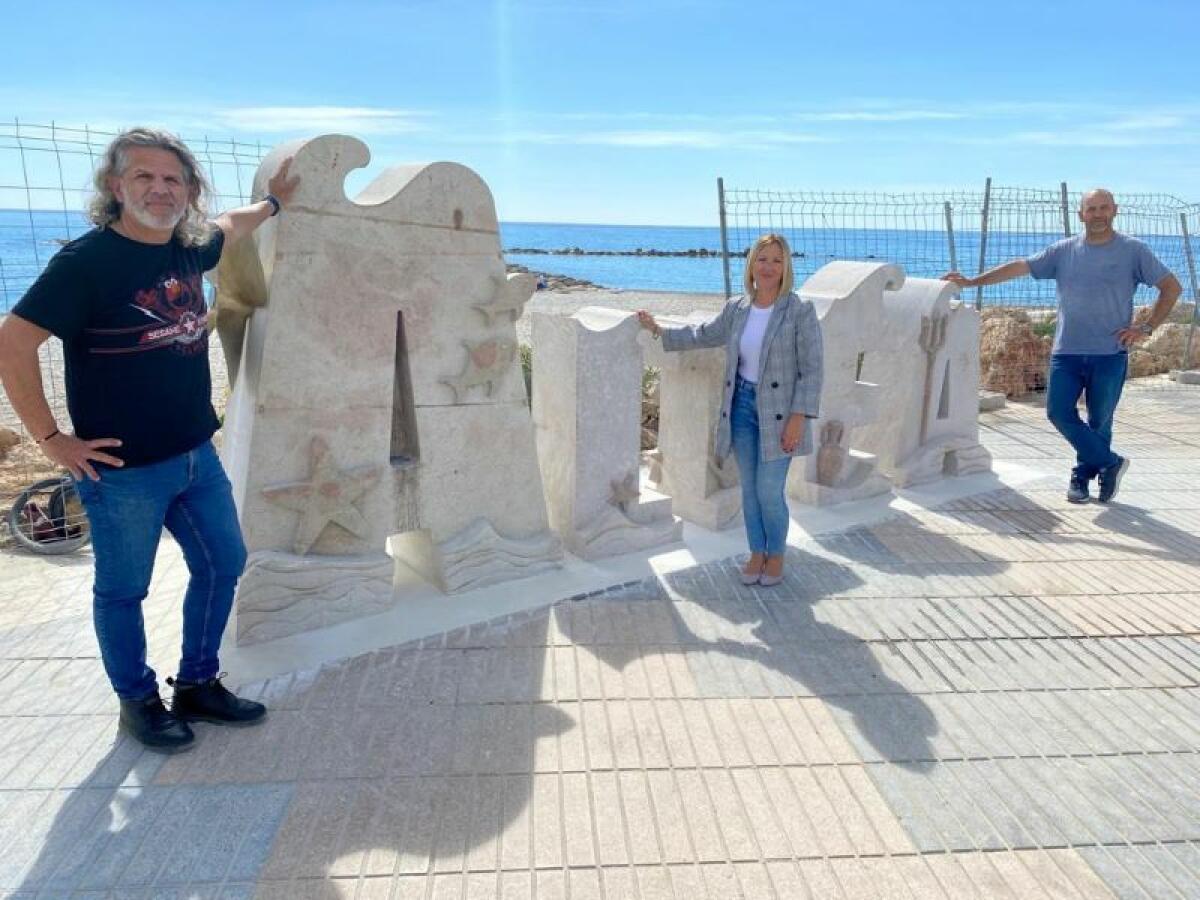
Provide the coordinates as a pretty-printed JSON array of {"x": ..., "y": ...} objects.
[
  {"x": 941, "y": 459},
  {"x": 858, "y": 479}
]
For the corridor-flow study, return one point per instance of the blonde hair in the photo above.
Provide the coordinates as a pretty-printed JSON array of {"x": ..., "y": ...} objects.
[
  {"x": 785, "y": 283},
  {"x": 104, "y": 208}
]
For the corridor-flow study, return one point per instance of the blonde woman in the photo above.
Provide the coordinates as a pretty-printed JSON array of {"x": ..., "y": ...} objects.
[{"x": 773, "y": 373}]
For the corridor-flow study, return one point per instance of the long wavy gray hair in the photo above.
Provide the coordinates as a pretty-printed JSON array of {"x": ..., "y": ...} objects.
[{"x": 104, "y": 208}]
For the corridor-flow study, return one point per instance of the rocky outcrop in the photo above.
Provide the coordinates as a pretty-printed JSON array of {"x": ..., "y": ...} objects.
[
  {"x": 8, "y": 440},
  {"x": 1012, "y": 354},
  {"x": 1163, "y": 350},
  {"x": 550, "y": 282},
  {"x": 1015, "y": 348}
]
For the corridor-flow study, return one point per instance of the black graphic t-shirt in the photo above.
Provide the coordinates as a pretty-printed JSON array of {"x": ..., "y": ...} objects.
[{"x": 133, "y": 323}]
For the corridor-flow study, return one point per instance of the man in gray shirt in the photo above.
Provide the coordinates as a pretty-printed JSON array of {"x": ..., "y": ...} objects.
[{"x": 1095, "y": 274}]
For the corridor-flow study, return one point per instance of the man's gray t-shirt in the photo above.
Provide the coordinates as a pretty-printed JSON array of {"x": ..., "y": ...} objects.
[{"x": 1095, "y": 285}]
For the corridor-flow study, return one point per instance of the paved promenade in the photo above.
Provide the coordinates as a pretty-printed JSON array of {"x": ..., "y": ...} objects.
[{"x": 998, "y": 697}]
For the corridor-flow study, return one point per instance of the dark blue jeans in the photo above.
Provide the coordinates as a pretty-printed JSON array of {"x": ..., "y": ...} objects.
[
  {"x": 127, "y": 509},
  {"x": 1100, "y": 380},
  {"x": 764, "y": 503}
]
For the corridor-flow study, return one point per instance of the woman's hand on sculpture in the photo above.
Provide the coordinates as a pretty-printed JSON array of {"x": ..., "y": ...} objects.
[
  {"x": 793, "y": 433},
  {"x": 647, "y": 321},
  {"x": 280, "y": 186}
]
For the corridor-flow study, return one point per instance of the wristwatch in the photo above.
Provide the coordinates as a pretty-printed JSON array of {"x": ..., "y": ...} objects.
[{"x": 1146, "y": 328}]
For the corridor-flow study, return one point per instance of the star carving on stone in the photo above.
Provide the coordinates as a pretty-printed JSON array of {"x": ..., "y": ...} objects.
[
  {"x": 509, "y": 297},
  {"x": 328, "y": 496},
  {"x": 487, "y": 362},
  {"x": 625, "y": 491}
]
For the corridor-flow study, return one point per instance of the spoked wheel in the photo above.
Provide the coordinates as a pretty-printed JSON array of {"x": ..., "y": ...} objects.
[{"x": 48, "y": 517}]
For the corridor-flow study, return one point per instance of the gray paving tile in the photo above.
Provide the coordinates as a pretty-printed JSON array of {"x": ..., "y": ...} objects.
[{"x": 1007, "y": 678}]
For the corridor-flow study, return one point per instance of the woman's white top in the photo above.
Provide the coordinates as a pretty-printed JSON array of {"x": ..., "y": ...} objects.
[{"x": 750, "y": 349}]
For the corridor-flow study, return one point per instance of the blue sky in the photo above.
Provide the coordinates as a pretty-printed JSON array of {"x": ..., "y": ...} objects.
[{"x": 627, "y": 112}]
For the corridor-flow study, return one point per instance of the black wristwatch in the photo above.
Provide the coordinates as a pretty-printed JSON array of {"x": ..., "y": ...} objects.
[{"x": 275, "y": 204}]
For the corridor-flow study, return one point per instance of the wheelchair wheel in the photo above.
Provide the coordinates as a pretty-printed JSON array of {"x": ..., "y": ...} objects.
[{"x": 48, "y": 517}]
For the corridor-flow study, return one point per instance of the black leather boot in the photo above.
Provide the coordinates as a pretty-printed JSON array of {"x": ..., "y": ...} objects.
[
  {"x": 211, "y": 701},
  {"x": 150, "y": 722}
]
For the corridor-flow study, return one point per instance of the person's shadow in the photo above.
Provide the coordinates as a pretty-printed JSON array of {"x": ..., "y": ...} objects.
[
  {"x": 427, "y": 757},
  {"x": 737, "y": 639},
  {"x": 1150, "y": 534},
  {"x": 406, "y": 760}
]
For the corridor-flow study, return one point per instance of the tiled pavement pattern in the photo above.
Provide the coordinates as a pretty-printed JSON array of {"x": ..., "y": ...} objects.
[{"x": 997, "y": 698}]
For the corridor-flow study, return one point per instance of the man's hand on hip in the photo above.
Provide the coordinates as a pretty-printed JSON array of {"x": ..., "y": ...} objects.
[
  {"x": 77, "y": 455},
  {"x": 1127, "y": 337}
]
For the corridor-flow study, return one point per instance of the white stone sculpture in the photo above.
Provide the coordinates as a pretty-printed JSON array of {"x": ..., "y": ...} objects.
[
  {"x": 925, "y": 359},
  {"x": 379, "y": 400},
  {"x": 587, "y": 377},
  {"x": 848, "y": 297},
  {"x": 702, "y": 489}
]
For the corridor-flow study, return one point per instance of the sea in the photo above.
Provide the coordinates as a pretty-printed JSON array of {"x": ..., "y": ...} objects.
[{"x": 641, "y": 258}]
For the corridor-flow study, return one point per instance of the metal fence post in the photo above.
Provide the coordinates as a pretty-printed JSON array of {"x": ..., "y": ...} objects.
[
  {"x": 1066, "y": 213},
  {"x": 724, "y": 238},
  {"x": 950, "y": 236},
  {"x": 983, "y": 233},
  {"x": 1191, "y": 263}
]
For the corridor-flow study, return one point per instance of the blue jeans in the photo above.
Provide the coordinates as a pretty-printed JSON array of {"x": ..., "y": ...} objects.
[
  {"x": 127, "y": 509},
  {"x": 764, "y": 504},
  {"x": 1100, "y": 380}
]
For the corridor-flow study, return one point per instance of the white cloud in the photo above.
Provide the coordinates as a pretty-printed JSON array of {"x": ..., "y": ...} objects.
[
  {"x": 1089, "y": 137},
  {"x": 1146, "y": 122},
  {"x": 322, "y": 119},
  {"x": 895, "y": 115},
  {"x": 701, "y": 140},
  {"x": 656, "y": 138}
]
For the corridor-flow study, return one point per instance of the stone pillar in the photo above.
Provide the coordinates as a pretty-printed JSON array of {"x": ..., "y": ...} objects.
[
  {"x": 927, "y": 366},
  {"x": 703, "y": 490},
  {"x": 848, "y": 297},
  {"x": 379, "y": 400},
  {"x": 587, "y": 379}
]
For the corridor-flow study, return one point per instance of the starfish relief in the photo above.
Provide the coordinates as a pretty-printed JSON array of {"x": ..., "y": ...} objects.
[
  {"x": 327, "y": 497},
  {"x": 487, "y": 361}
]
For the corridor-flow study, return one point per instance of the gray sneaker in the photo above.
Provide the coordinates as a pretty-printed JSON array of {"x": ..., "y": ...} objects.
[
  {"x": 1110, "y": 479},
  {"x": 1077, "y": 491}
]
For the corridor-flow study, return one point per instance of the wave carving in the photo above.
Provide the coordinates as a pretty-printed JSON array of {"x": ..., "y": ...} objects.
[
  {"x": 281, "y": 594},
  {"x": 479, "y": 555}
]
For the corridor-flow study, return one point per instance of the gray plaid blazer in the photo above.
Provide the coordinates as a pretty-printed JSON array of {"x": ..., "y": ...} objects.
[{"x": 790, "y": 368}]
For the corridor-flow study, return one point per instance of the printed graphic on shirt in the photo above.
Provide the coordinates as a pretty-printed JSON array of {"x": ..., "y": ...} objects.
[{"x": 176, "y": 317}]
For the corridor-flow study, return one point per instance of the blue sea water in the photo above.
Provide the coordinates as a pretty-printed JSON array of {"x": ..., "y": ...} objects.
[{"x": 29, "y": 239}]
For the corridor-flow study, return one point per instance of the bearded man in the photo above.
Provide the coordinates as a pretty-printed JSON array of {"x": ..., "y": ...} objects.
[{"x": 127, "y": 301}]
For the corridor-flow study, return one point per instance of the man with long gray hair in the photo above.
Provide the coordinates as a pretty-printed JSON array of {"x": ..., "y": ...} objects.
[
  {"x": 127, "y": 301},
  {"x": 1095, "y": 274}
]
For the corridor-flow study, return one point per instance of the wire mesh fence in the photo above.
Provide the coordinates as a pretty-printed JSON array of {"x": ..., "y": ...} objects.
[
  {"x": 45, "y": 183},
  {"x": 930, "y": 234}
]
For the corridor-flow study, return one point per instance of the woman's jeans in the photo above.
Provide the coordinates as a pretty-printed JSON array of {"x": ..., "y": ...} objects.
[
  {"x": 764, "y": 505},
  {"x": 127, "y": 509},
  {"x": 1100, "y": 380}
]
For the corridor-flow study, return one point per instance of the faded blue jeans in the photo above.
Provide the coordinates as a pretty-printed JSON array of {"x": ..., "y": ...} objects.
[
  {"x": 764, "y": 504},
  {"x": 127, "y": 509},
  {"x": 1100, "y": 380}
]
